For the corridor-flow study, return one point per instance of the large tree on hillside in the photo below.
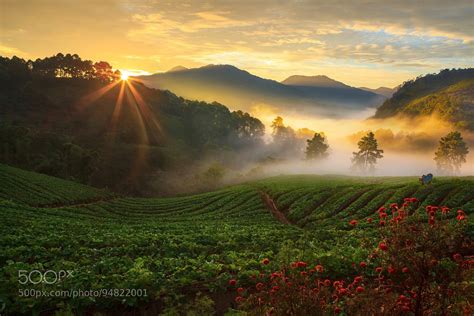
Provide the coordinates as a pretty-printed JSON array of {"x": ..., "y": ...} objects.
[
  {"x": 317, "y": 147},
  {"x": 365, "y": 159},
  {"x": 451, "y": 153}
]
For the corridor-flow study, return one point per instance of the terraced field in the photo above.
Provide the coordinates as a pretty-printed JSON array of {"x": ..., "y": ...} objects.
[{"x": 174, "y": 248}]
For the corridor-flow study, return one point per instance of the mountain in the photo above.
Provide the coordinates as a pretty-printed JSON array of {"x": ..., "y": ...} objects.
[
  {"x": 449, "y": 95},
  {"x": 332, "y": 91},
  {"x": 386, "y": 92},
  {"x": 242, "y": 90},
  {"x": 177, "y": 68},
  {"x": 313, "y": 81}
]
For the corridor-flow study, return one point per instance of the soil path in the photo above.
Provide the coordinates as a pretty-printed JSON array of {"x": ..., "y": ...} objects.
[{"x": 270, "y": 204}]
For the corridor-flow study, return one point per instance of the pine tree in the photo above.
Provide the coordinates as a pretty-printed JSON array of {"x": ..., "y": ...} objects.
[
  {"x": 365, "y": 159},
  {"x": 451, "y": 153}
]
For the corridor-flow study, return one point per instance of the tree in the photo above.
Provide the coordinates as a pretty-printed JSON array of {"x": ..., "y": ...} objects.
[
  {"x": 282, "y": 134},
  {"x": 103, "y": 71},
  {"x": 451, "y": 153},
  {"x": 365, "y": 159},
  {"x": 317, "y": 147}
]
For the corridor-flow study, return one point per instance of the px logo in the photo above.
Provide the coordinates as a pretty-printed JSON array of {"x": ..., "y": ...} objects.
[{"x": 47, "y": 277}]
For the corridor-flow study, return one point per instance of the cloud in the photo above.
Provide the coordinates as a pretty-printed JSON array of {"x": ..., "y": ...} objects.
[
  {"x": 10, "y": 51},
  {"x": 401, "y": 38}
]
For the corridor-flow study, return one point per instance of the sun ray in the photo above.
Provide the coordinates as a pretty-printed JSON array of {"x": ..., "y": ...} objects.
[
  {"x": 143, "y": 143},
  {"x": 116, "y": 113},
  {"x": 148, "y": 115},
  {"x": 94, "y": 96}
]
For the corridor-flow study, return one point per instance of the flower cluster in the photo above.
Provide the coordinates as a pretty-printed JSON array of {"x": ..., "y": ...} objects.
[{"x": 413, "y": 269}]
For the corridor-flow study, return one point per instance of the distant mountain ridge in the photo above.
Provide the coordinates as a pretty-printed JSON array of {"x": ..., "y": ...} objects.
[
  {"x": 385, "y": 91},
  {"x": 242, "y": 90},
  {"x": 313, "y": 81},
  {"x": 448, "y": 94}
]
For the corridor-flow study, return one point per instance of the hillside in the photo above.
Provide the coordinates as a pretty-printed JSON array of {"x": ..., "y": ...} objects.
[
  {"x": 241, "y": 90},
  {"x": 96, "y": 129},
  {"x": 195, "y": 242},
  {"x": 448, "y": 94}
]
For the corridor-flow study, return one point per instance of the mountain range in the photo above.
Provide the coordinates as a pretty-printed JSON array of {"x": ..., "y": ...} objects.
[{"x": 239, "y": 89}]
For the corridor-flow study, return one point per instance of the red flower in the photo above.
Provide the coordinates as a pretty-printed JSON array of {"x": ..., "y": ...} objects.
[
  {"x": 259, "y": 286},
  {"x": 301, "y": 264},
  {"x": 319, "y": 268},
  {"x": 359, "y": 289},
  {"x": 304, "y": 273},
  {"x": 342, "y": 291},
  {"x": 369, "y": 220},
  {"x": 383, "y": 246},
  {"x": 337, "y": 310},
  {"x": 382, "y": 223},
  {"x": 405, "y": 270},
  {"x": 394, "y": 205},
  {"x": 327, "y": 282},
  {"x": 382, "y": 215},
  {"x": 382, "y": 209},
  {"x": 457, "y": 257},
  {"x": 357, "y": 279},
  {"x": 239, "y": 299},
  {"x": 378, "y": 269},
  {"x": 445, "y": 210},
  {"x": 265, "y": 261},
  {"x": 461, "y": 215},
  {"x": 353, "y": 222},
  {"x": 275, "y": 288},
  {"x": 434, "y": 262},
  {"x": 240, "y": 290},
  {"x": 232, "y": 282},
  {"x": 391, "y": 270},
  {"x": 363, "y": 264}
]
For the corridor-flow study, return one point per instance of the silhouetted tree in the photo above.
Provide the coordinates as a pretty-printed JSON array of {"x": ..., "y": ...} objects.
[
  {"x": 365, "y": 159},
  {"x": 451, "y": 153},
  {"x": 317, "y": 147},
  {"x": 103, "y": 71}
]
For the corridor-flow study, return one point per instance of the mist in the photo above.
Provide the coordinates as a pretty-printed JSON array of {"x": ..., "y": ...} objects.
[{"x": 408, "y": 144}]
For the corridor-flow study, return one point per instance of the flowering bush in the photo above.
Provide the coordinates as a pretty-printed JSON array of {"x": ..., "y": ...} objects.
[{"x": 419, "y": 266}]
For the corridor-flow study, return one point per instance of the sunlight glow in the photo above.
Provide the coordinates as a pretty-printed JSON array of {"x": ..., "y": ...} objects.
[{"x": 124, "y": 76}]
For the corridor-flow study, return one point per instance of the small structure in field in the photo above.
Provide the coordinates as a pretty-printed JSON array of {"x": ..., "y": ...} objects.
[{"x": 426, "y": 179}]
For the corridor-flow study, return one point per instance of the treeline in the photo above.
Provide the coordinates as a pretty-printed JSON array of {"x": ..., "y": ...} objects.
[{"x": 59, "y": 66}]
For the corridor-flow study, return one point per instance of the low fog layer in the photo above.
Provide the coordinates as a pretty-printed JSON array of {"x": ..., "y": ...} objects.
[{"x": 409, "y": 144}]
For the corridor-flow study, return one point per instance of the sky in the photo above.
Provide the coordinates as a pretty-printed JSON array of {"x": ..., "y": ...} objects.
[{"x": 362, "y": 43}]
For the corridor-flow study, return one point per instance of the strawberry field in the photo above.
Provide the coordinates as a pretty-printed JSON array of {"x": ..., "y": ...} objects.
[{"x": 179, "y": 254}]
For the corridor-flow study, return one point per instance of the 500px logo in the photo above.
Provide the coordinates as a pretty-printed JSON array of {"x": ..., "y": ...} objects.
[{"x": 48, "y": 276}]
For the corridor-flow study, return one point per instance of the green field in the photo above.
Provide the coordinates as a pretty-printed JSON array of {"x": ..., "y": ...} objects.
[{"x": 176, "y": 247}]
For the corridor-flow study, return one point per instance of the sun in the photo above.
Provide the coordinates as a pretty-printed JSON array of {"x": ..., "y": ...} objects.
[{"x": 124, "y": 76}]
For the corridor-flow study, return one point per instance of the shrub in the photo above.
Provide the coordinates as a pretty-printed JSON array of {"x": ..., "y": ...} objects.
[{"x": 419, "y": 266}]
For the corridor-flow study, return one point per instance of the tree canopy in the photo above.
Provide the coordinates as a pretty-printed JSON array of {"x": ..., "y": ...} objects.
[
  {"x": 451, "y": 153},
  {"x": 317, "y": 147}
]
